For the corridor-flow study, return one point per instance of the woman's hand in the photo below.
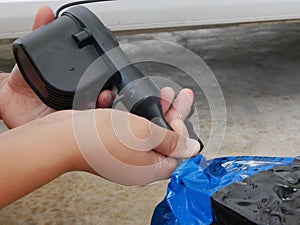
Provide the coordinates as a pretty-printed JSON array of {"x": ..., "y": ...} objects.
[
  {"x": 129, "y": 149},
  {"x": 116, "y": 145},
  {"x": 18, "y": 103}
]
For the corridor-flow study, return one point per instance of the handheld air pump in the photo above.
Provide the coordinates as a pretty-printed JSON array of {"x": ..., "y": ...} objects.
[{"x": 71, "y": 60}]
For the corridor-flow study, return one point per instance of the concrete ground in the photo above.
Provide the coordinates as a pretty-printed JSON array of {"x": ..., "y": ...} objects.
[{"x": 257, "y": 67}]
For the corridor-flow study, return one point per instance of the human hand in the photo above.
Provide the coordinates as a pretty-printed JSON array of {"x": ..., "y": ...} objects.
[
  {"x": 130, "y": 150},
  {"x": 41, "y": 150},
  {"x": 18, "y": 103}
]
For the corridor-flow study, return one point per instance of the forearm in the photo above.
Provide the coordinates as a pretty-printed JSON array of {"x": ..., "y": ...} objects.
[{"x": 33, "y": 155}]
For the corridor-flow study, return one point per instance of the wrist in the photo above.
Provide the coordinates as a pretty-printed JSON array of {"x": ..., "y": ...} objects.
[
  {"x": 59, "y": 128},
  {"x": 61, "y": 124}
]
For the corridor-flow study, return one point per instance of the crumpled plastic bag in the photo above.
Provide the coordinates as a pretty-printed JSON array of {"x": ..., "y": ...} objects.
[{"x": 188, "y": 199}]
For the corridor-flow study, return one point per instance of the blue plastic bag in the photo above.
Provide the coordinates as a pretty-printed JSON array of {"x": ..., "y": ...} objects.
[{"x": 188, "y": 199}]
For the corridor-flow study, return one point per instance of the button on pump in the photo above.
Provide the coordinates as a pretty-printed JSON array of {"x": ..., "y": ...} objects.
[{"x": 83, "y": 38}]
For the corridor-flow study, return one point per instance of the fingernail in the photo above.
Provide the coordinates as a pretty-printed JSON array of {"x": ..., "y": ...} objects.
[{"x": 192, "y": 145}]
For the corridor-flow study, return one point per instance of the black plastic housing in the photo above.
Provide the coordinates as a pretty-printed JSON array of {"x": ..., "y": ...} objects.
[
  {"x": 54, "y": 58},
  {"x": 70, "y": 60}
]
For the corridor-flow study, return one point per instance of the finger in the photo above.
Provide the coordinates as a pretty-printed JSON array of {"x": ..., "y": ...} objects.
[
  {"x": 181, "y": 105},
  {"x": 105, "y": 99},
  {"x": 140, "y": 136},
  {"x": 44, "y": 16},
  {"x": 162, "y": 168},
  {"x": 179, "y": 127},
  {"x": 177, "y": 146},
  {"x": 166, "y": 98}
]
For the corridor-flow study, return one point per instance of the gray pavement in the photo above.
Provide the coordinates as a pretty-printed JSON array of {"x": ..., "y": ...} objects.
[{"x": 257, "y": 67}]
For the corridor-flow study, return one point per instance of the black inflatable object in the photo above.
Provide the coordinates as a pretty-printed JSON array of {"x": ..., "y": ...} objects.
[
  {"x": 232, "y": 190},
  {"x": 69, "y": 61},
  {"x": 269, "y": 197}
]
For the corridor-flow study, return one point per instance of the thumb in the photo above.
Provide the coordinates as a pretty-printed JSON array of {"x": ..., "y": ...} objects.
[{"x": 44, "y": 16}]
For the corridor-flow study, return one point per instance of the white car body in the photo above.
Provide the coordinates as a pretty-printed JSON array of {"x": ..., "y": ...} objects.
[{"x": 16, "y": 16}]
